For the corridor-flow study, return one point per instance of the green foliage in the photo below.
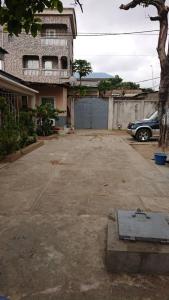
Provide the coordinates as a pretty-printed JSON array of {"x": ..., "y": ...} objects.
[
  {"x": 80, "y": 90},
  {"x": 3, "y": 105},
  {"x": 128, "y": 85},
  {"x": 82, "y": 67},
  {"x": 9, "y": 133},
  {"x": 18, "y": 15},
  {"x": 148, "y": 90},
  {"x": 116, "y": 83},
  {"x": 110, "y": 83},
  {"x": 15, "y": 131},
  {"x": 27, "y": 127},
  {"x": 27, "y": 121},
  {"x": 8, "y": 141},
  {"x": 116, "y": 80},
  {"x": 45, "y": 112}
]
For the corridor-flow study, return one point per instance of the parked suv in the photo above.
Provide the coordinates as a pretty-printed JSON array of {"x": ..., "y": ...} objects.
[{"x": 144, "y": 129}]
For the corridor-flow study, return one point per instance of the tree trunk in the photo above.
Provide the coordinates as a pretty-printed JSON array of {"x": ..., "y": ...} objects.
[{"x": 163, "y": 105}]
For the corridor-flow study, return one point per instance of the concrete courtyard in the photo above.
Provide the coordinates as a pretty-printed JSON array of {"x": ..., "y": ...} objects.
[{"x": 54, "y": 207}]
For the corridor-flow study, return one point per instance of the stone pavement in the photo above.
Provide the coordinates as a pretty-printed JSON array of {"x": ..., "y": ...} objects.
[{"x": 54, "y": 208}]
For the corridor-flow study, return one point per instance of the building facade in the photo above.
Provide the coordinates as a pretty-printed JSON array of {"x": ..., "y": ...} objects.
[{"x": 45, "y": 62}]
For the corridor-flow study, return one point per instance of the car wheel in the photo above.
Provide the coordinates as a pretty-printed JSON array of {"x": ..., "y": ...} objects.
[{"x": 143, "y": 135}]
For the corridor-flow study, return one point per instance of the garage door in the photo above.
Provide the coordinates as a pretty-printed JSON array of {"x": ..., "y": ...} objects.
[{"x": 91, "y": 113}]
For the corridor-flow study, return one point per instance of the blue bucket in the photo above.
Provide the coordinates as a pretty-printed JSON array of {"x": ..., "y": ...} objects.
[{"x": 160, "y": 158}]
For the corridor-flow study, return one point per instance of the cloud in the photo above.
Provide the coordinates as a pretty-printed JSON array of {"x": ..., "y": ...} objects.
[{"x": 130, "y": 56}]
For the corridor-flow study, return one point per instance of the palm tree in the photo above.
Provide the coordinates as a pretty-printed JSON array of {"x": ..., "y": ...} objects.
[{"x": 82, "y": 67}]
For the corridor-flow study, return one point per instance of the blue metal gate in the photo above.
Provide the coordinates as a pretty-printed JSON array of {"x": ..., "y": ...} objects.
[{"x": 91, "y": 113}]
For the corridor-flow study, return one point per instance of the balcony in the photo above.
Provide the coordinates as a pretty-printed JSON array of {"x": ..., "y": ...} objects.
[
  {"x": 53, "y": 35},
  {"x": 47, "y": 73}
]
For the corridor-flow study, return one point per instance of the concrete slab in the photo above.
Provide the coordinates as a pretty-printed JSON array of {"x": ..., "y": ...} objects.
[{"x": 134, "y": 257}]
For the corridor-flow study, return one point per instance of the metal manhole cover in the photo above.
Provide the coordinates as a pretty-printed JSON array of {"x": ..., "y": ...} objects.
[{"x": 143, "y": 226}]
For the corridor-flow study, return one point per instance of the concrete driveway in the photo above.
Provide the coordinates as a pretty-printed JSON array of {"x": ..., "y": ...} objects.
[{"x": 54, "y": 208}]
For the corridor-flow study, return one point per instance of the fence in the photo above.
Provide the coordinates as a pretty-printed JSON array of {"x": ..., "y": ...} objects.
[{"x": 123, "y": 110}]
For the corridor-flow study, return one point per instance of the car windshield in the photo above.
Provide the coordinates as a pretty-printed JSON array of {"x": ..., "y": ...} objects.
[{"x": 153, "y": 116}]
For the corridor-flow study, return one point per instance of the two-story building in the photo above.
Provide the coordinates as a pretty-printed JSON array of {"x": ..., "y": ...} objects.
[{"x": 45, "y": 62}]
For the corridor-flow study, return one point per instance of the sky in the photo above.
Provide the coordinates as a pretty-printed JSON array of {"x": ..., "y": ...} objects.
[{"x": 132, "y": 57}]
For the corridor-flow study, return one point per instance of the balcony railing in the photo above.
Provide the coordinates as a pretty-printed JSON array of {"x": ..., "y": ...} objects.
[
  {"x": 56, "y": 73},
  {"x": 45, "y": 72},
  {"x": 48, "y": 41},
  {"x": 31, "y": 72}
]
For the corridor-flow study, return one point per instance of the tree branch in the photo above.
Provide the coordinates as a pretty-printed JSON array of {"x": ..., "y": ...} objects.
[
  {"x": 159, "y": 4},
  {"x": 162, "y": 18},
  {"x": 77, "y": 2},
  {"x": 155, "y": 18},
  {"x": 131, "y": 4}
]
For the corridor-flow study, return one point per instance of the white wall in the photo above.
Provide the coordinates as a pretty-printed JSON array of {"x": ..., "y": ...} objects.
[{"x": 124, "y": 111}]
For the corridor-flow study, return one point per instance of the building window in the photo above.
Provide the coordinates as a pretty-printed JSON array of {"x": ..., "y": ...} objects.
[
  {"x": 31, "y": 65},
  {"x": 31, "y": 62},
  {"x": 52, "y": 30},
  {"x": 49, "y": 62},
  {"x": 50, "y": 65},
  {"x": 49, "y": 100},
  {"x": 64, "y": 62},
  {"x": 52, "y": 35}
]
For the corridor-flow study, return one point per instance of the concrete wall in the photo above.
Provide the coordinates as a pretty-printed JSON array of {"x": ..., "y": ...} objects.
[
  {"x": 122, "y": 110},
  {"x": 59, "y": 93}
]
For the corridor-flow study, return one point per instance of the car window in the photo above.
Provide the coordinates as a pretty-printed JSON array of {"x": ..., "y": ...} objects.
[{"x": 153, "y": 116}]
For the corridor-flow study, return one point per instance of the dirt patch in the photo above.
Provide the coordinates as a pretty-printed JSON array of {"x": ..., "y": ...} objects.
[
  {"x": 58, "y": 162},
  {"x": 119, "y": 132},
  {"x": 147, "y": 150}
]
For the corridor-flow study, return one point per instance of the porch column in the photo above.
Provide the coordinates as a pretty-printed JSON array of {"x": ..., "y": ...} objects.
[{"x": 32, "y": 101}]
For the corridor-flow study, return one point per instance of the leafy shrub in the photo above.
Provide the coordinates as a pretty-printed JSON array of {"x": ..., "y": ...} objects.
[
  {"x": 27, "y": 121},
  {"x": 8, "y": 144},
  {"x": 15, "y": 131},
  {"x": 26, "y": 140},
  {"x": 45, "y": 112}
]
